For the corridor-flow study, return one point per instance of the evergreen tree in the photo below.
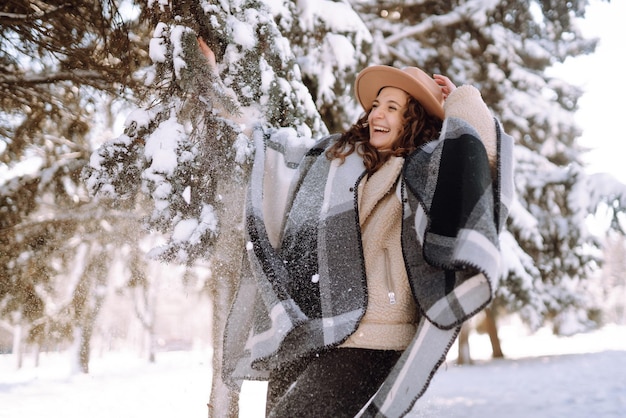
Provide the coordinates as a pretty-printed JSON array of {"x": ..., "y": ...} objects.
[{"x": 65, "y": 69}]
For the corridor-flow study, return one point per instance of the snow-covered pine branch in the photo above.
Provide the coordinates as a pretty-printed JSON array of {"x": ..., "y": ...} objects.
[
  {"x": 470, "y": 10},
  {"x": 76, "y": 75}
]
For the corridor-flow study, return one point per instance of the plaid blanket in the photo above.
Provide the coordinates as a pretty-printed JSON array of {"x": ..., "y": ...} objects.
[{"x": 303, "y": 286}]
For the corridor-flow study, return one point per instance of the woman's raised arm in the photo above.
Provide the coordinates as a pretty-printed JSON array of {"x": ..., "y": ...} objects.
[{"x": 246, "y": 117}]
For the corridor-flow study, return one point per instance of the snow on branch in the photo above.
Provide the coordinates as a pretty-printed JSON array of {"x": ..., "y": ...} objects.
[
  {"x": 8, "y": 19},
  {"x": 74, "y": 75},
  {"x": 602, "y": 188},
  {"x": 470, "y": 9}
]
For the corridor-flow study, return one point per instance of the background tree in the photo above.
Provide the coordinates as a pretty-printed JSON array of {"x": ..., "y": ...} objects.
[{"x": 66, "y": 68}]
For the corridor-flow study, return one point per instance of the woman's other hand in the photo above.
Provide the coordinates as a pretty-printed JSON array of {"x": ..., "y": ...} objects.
[
  {"x": 447, "y": 86},
  {"x": 209, "y": 54},
  {"x": 246, "y": 117}
]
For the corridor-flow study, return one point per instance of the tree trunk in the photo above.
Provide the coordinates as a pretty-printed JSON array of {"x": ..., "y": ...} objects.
[
  {"x": 464, "y": 356},
  {"x": 88, "y": 322},
  {"x": 75, "y": 365},
  {"x": 145, "y": 303},
  {"x": 18, "y": 344},
  {"x": 492, "y": 330},
  {"x": 151, "y": 345},
  {"x": 84, "y": 347},
  {"x": 223, "y": 402},
  {"x": 226, "y": 265},
  {"x": 88, "y": 298},
  {"x": 152, "y": 306},
  {"x": 37, "y": 354}
]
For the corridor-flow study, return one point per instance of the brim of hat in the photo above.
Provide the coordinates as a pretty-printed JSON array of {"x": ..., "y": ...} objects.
[{"x": 371, "y": 80}]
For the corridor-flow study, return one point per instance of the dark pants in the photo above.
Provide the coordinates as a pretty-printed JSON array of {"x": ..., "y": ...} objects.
[{"x": 335, "y": 383}]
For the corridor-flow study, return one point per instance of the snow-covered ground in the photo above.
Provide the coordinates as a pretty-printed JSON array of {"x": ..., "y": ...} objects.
[
  {"x": 583, "y": 376},
  {"x": 544, "y": 377}
]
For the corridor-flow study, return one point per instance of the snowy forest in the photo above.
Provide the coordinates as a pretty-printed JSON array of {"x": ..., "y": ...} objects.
[{"x": 123, "y": 168}]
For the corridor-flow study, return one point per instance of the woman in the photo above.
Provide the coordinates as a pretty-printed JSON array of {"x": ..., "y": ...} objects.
[{"x": 367, "y": 251}]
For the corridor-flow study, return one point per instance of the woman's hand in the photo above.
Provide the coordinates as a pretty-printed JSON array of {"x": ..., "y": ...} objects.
[
  {"x": 209, "y": 54},
  {"x": 246, "y": 117},
  {"x": 447, "y": 86}
]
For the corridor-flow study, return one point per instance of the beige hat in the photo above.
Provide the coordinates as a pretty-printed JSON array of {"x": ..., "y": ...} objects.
[{"x": 410, "y": 79}]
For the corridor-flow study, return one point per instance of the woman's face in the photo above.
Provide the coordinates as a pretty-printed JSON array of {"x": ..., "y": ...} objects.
[{"x": 387, "y": 117}]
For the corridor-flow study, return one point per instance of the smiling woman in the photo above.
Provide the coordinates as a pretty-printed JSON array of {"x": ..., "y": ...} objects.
[
  {"x": 367, "y": 251},
  {"x": 349, "y": 295}
]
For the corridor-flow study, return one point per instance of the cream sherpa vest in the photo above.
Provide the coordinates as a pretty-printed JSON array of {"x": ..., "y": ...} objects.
[{"x": 391, "y": 317}]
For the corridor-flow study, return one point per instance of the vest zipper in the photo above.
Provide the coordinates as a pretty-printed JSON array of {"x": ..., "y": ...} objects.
[{"x": 390, "y": 292}]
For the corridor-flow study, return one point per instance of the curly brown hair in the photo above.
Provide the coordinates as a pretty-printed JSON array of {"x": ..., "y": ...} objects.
[{"x": 419, "y": 128}]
